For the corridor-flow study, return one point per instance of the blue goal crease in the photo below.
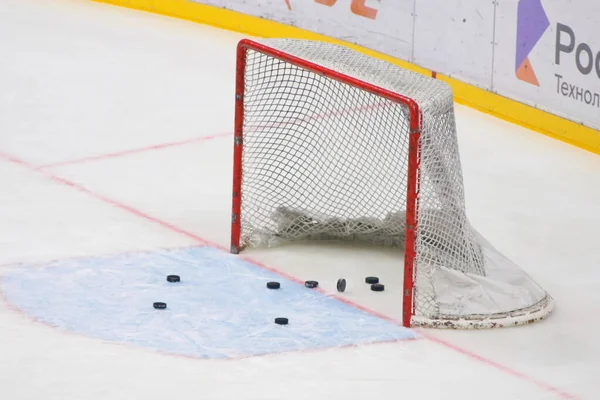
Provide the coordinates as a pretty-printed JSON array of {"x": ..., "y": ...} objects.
[{"x": 220, "y": 309}]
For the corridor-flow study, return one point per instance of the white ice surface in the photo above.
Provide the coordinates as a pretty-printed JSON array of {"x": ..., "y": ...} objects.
[{"x": 81, "y": 79}]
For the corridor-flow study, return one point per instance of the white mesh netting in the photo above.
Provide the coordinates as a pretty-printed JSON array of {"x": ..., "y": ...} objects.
[{"x": 325, "y": 159}]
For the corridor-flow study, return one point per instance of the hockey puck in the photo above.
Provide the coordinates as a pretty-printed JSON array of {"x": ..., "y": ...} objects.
[
  {"x": 173, "y": 278},
  {"x": 371, "y": 280},
  {"x": 281, "y": 321},
  {"x": 273, "y": 285},
  {"x": 160, "y": 305},
  {"x": 377, "y": 287},
  {"x": 341, "y": 285},
  {"x": 311, "y": 284}
]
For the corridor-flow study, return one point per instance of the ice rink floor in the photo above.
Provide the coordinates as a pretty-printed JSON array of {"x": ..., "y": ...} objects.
[{"x": 115, "y": 141}]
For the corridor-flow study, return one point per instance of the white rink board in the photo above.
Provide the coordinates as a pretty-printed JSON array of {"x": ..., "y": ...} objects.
[
  {"x": 455, "y": 38},
  {"x": 472, "y": 41},
  {"x": 390, "y": 32},
  {"x": 584, "y": 19}
]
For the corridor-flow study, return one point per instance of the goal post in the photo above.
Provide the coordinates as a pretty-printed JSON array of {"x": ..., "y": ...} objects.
[{"x": 331, "y": 144}]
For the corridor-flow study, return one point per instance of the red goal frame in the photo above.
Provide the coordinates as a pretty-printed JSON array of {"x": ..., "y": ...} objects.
[{"x": 415, "y": 124}]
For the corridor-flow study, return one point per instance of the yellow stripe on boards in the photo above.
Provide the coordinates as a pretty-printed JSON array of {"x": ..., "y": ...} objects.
[
  {"x": 466, "y": 94},
  {"x": 524, "y": 115}
]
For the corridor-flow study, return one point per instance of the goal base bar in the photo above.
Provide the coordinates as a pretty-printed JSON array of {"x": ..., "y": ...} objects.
[{"x": 528, "y": 315}]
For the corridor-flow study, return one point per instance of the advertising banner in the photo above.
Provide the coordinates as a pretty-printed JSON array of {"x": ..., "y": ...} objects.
[
  {"x": 547, "y": 55},
  {"x": 543, "y": 53}
]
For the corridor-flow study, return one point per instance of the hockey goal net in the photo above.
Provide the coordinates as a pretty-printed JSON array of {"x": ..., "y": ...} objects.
[{"x": 333, "y": 144}]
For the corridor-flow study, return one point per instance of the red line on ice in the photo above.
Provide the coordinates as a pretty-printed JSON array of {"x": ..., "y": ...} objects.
[
  {"x": 134, "y": 151},
  {"x": 288, "y": 121}
]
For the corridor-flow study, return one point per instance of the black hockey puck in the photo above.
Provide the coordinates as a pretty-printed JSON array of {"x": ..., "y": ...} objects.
[
  {"x": 371, "y": 280},
  {"x": 341, "y": 285},
  {"x": 281, "y": 321},
  {"x": 377, "y": 287},
  {"x": 273, "y": 285},
  {"x": 159, "y": 305},
  {"x": 173, "y": 278},
  {"x": 311, "y": 284}
]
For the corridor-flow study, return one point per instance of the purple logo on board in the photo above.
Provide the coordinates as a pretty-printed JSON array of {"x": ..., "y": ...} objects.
[{"x": 532, "y": 22}]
